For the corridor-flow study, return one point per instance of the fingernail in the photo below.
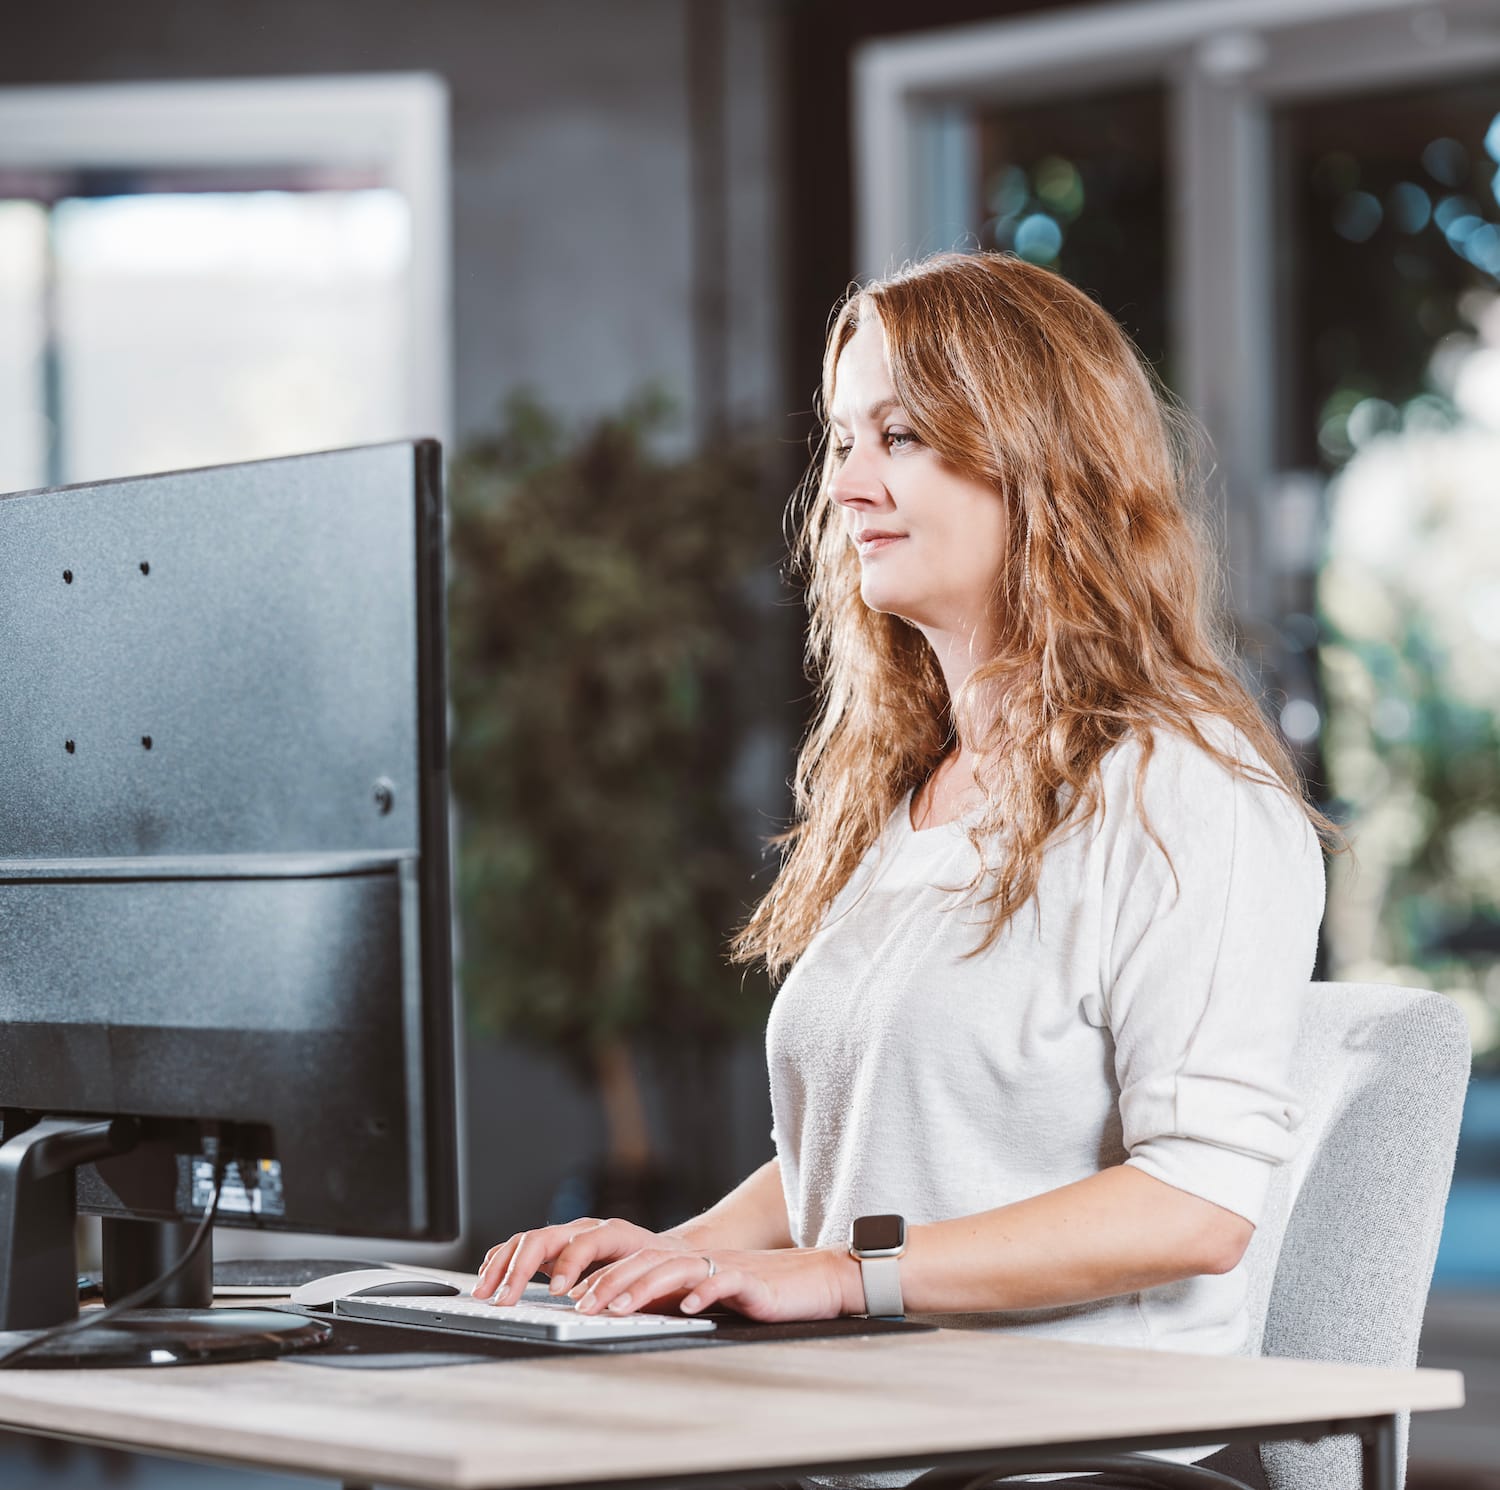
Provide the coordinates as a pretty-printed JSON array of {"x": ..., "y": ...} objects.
[
  {"x": 587, "y": 1304},
  {"x": 692, "y": 1302},
  {"x": 559, "y": 1283},
  {"x": 621, "y": 1301}
]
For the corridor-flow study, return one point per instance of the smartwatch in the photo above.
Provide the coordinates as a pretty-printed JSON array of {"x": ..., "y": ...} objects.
[{"x": 878, "y": 1242}]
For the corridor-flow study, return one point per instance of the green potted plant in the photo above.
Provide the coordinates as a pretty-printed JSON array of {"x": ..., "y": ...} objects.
[{"x": 600, "y": 619}]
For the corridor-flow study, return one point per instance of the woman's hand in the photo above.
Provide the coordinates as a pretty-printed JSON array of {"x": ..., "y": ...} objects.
[
  {"x": 788, "y": 1283},
  {"x": 563, "y": 1252}
]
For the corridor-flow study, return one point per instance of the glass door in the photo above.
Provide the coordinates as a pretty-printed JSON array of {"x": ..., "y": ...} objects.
[
  {"x": 1387, "y": 431},
  {"x": 1388, "y": 414}
]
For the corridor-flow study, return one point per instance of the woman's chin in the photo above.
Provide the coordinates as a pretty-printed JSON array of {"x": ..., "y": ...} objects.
[
  {"x": 890, "y": 600},
  {"x": 878, "y": 596}
]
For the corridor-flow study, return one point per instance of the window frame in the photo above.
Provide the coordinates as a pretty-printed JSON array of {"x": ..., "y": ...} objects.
[{"x": 394, "y": 124}]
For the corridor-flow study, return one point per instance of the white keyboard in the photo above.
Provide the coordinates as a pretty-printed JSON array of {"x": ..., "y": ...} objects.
[{"x": 555, "y": 1321}]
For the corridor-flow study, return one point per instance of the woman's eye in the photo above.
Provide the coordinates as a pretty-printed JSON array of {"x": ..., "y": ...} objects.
[{"x": 895, "y": 439}]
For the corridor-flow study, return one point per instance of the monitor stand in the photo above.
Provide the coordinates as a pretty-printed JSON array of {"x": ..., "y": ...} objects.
[{"x": 39, "y": 1268}]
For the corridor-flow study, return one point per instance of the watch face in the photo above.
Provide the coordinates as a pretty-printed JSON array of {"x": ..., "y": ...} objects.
[{"x": 878, "y": 1234}]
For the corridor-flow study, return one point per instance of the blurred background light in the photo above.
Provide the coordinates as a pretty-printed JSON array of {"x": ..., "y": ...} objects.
[
  {"x": 1460, "y": 229},
  {"x": 1453, "y": 207},
  {"x": 1357, "y": 216},
  {"x": 1060, "y": 186},
  {"x": 1447, "y": 161},
  {"x": 1039, "y": 238},
  {"x": 1009, "y": 191},
  {"x": 1410, "y": 207},
  {"x": 1392, "y": 718},
  {"x": 1492, "y": 139},
  {"x": 1371, "y": 417},
  {"x": 1482, "y": 248},
  {"x": 1300, "y": 720}
]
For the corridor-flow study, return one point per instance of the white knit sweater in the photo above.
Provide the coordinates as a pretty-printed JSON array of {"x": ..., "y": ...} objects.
[{"x": 1117, "y": 1020}]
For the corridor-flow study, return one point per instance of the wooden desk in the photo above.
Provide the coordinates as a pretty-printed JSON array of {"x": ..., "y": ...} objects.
[{"x": 735, "y": 1415}]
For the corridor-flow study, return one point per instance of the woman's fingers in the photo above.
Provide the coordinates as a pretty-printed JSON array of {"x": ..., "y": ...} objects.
[
  {"x": 606, "y": 1242},
  {"x": 639, "y": 1282},
  {"x": 739, "y": 1288},
  {"x": 566, "y": 1250},
  {"x": 496, "y": 1258},
  {"x": 508, "y": 1268},
  {"x": 497, "y": 1264},
  {"x": 623, "y": 1279},
  {"x": 766, "y": 1285},
  {"x": 610, "y": 1239}
]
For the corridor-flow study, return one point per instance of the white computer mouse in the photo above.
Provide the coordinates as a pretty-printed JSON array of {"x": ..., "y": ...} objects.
[{"x": 370, "y": 1283}]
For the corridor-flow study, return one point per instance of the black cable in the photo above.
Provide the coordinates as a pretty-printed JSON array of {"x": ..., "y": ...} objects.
[{"x": 92, "y": 1317}]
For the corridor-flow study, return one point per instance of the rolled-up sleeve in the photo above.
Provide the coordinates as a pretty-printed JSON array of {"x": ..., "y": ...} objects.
[{"x": 1205, "y": 971}]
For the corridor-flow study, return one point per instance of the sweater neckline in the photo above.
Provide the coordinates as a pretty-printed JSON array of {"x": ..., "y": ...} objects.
[{"x": 954, "y": 830}]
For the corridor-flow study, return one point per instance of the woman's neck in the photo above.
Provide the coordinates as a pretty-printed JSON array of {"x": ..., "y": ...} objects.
[
  {"x": 959, "y": 651},
  {"x": 944, "y": 795}
]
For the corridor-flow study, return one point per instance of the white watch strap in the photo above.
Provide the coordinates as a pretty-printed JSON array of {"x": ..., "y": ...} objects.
[{"x": 882, "y": 1279}]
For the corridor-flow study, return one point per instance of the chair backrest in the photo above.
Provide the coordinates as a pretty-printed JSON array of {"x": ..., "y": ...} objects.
[{"x": 1340, "y": 1265}]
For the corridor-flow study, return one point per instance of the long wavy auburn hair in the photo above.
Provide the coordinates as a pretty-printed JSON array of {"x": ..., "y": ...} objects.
[{"x": 1108, "y": 604}]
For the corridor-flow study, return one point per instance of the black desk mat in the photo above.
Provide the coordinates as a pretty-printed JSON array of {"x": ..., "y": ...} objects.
[{"x": 374, "y": 1344}]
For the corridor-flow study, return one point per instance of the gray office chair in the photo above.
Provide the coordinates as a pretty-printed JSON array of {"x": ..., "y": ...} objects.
[{"x": 1340, "y": 1265}]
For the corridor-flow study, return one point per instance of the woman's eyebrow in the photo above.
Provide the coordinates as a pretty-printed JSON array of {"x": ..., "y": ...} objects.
[{"x": 873, "y": 412}]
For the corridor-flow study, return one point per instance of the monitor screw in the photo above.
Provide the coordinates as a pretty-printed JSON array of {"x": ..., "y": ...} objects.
[{"x": 385, "y": 795}]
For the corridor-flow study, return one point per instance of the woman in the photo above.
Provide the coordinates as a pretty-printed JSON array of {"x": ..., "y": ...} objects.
[{"x": 1052, "y": 893}]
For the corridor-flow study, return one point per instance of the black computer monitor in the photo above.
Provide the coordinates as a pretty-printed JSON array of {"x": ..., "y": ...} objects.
[{"x": 224, "y": 892}]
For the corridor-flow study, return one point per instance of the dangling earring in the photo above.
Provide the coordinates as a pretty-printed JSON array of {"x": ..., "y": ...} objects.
[{"x": 1026, "y": 562}]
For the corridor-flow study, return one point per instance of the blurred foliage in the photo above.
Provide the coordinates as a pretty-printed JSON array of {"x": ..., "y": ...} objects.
[
  {"x": 1409, "y": 602},
  {"x": 1389, "y": 214},
  {"x": 597, "y": 611}
]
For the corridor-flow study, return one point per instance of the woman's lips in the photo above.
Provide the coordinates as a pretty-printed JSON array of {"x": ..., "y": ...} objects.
[{"x": 876, "y": 542}]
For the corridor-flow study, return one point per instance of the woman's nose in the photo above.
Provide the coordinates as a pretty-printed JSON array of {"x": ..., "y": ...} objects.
[{"x": 854, "y": 484}]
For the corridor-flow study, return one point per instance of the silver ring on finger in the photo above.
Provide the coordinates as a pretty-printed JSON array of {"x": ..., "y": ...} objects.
[{"x": 711, "y": 1268}]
